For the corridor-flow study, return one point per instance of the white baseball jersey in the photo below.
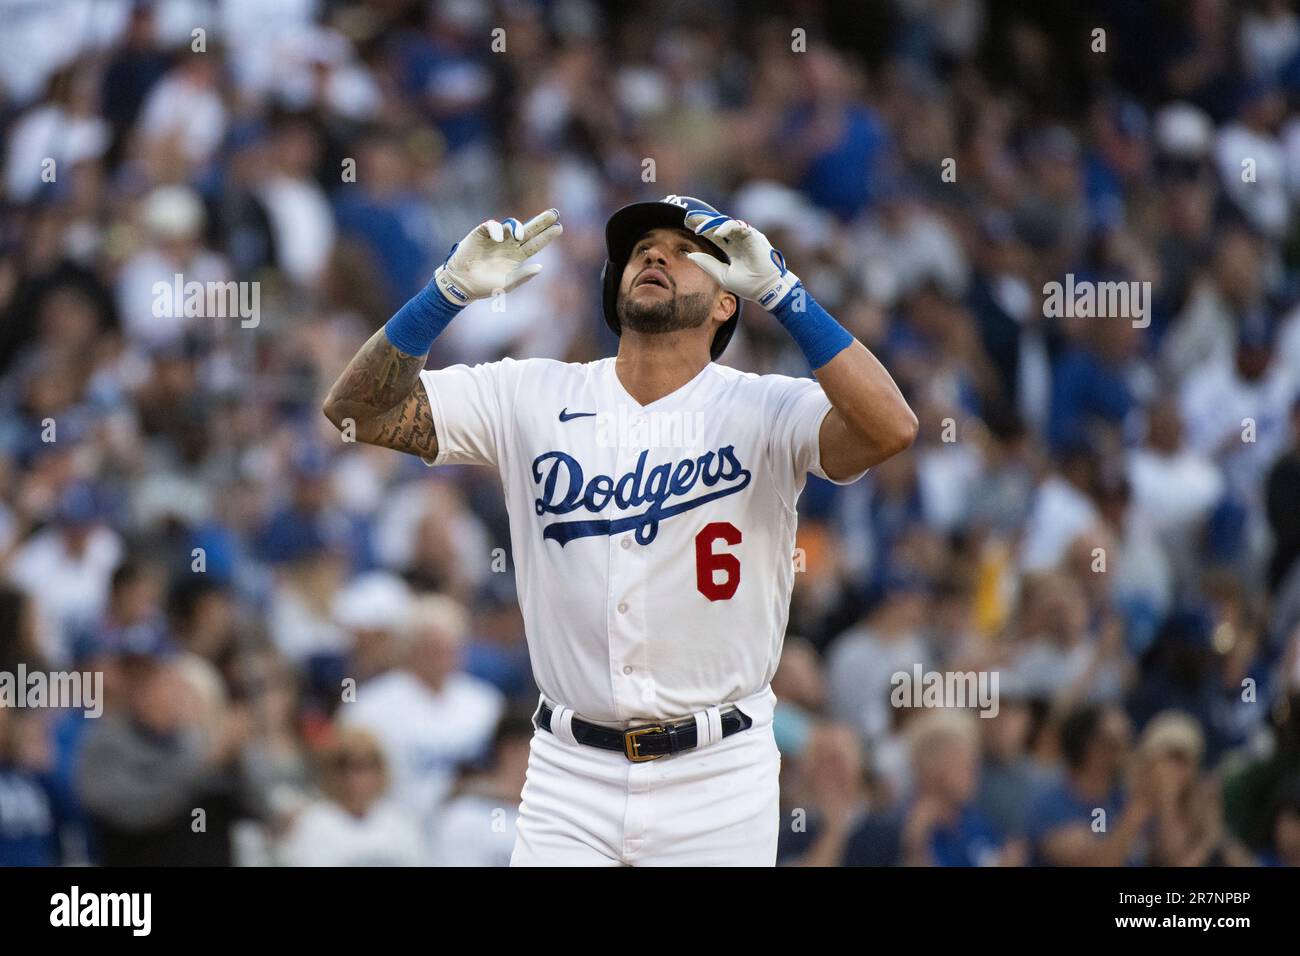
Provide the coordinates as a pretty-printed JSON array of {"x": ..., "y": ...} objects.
[{"x": 653, "y": 544}]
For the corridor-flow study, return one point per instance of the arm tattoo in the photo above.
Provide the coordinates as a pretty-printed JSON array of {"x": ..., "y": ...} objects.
[
  {"x": 409, "y": 426},
  {"x": 381, "y": 392}
]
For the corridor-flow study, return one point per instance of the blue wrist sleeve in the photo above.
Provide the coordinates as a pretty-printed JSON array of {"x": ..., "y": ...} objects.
[
  {"x": 416, "y": 324},
  {"x": 813, "y": 329}
]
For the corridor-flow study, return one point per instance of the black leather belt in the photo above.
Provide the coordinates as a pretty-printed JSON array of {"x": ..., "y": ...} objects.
[{"x": 649, "y": 741}]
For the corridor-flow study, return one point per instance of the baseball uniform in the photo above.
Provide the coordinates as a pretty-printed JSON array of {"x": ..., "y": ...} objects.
[{"x": 653, "y": 549}]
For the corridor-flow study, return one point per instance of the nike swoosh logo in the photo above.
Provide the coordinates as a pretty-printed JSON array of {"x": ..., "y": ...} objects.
[{"x": 567, "y": 416}]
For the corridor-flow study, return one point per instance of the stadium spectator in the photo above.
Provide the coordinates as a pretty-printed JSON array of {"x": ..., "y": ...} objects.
[
  {"x": 34, "y": 805},
  {"x": 1010, "y": 777},
  {"x": 1187, "y": 825},
  {"x": 833, "y": 811},
  {"x": 941, "y": 824},
  {"x": 863, "y": 660},
  {"x": 1086, "y": 819},
  {"x": 428, "y": 715},
  {"x": 373, "y": 609},
  {"x": 477, "y": 825},
  {"x": 80, "y": 551},
  {"x": 353, "y": 825},
  {"x": 159, "y": 779},
  {"x": 1284, "y": 847}
]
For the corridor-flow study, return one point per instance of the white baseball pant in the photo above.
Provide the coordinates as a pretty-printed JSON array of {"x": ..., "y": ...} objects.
[{"x": 716, "y": 805}]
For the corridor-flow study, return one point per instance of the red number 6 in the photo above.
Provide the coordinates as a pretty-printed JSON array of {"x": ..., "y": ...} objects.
[{"x": 707, "y": 561}]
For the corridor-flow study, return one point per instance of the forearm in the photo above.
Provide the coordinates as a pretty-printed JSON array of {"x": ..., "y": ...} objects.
[
  {"x": 871, "y": 420},
  {"x": 379, "y": 395},
  {"x": 381, "y": 399},
  {"x": 379, "y": 377}
]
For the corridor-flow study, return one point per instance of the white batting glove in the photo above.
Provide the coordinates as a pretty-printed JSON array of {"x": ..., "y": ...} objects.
[
  {"x": 756, "y": 272},
  {"x": 491, "y": 258}
]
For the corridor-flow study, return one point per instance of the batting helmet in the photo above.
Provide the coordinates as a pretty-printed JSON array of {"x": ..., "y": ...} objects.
[{"x": 632, "y": 222}]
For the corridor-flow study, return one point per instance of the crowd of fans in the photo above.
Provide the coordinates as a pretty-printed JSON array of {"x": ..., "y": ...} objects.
[{"x": 311, "y": 649}]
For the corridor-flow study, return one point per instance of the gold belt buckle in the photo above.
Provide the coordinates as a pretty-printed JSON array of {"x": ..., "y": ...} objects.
[{"x": 633, "y": 746}]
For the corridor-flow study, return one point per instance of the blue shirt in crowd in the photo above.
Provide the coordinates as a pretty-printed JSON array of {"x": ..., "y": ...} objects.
[
  {"x": 1059, "y": 806},
  {"x": 31, "y": 814}
]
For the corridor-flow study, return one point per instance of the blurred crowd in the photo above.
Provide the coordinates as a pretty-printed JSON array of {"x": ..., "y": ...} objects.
[{"x": 311, "y": 649}]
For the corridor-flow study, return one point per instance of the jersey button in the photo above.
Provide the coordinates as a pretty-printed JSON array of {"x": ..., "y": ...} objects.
[
  {"x": 627, "y": 670},
  {"x": 622, "y": 608},
  {"x": 627, "y": 543}
]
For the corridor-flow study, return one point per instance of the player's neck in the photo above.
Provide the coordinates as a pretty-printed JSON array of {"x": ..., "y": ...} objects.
[{"x": 652, "y": 366}]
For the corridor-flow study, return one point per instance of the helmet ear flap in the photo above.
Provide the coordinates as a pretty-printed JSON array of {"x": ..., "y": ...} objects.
[{"x": 609, "y": 297}]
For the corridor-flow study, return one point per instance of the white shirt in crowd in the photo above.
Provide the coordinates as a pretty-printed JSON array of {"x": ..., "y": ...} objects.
[
  {"x": 475, "y": 830},
  {"x": 50, "y": 132},
  {"x": 1173, "y": 491},
  {"x": 1263, "y": 198},
  {"x": 861, "y": 665},
  {"x": 153, "y": 315},
  {"x": 68, "y": 590},
  {"x": 1061, "y": 512},
  {"x": 300, "y": 631},
  {"x": 425, "y": 734},
  {"x": 302, "y": 224},
  {"x": 653, "y": 544},
  {"x": 1244, "y": 425},
  {"x": 324, "y": 834},
  {"x": 192, "y": 114}
]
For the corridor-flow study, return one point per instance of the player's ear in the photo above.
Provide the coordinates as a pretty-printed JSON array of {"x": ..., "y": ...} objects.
[{"x": 726, "y": 306}]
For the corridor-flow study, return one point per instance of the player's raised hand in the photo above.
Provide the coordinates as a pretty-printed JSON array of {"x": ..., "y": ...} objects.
[
  {"x": 491, "y": 258},
  {"x": 756, "y": 272}
]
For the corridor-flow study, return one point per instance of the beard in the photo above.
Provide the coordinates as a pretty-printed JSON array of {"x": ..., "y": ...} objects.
[{"x": 656, "y": 317}]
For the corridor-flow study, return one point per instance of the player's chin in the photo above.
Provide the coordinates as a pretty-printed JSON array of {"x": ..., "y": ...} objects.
[{"x": 641, "y": 312}]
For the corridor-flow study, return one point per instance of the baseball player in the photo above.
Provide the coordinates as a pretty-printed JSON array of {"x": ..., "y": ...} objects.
[{"x": 654, "y": 564}]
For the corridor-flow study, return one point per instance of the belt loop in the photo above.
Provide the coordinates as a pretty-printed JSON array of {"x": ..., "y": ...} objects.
[
  {"x": 562, "y": 725},
  {"x": 708, "y": 726},
  {"x": 701, "y": 729}
]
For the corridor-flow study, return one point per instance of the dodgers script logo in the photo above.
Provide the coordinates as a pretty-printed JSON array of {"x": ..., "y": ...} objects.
[{"x": 564, "y": 491}]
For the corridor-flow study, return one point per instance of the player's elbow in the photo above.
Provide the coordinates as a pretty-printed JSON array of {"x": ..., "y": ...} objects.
[
  {"x": 331, "y": 410},
  {"x": 903, "y": 431},
  {"x": 894, "y": 439}
]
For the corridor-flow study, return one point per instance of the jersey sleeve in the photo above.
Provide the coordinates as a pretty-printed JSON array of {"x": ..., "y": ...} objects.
[
  {"x": 797, "y": 408},
  {"x": 468, "y": 404}
]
